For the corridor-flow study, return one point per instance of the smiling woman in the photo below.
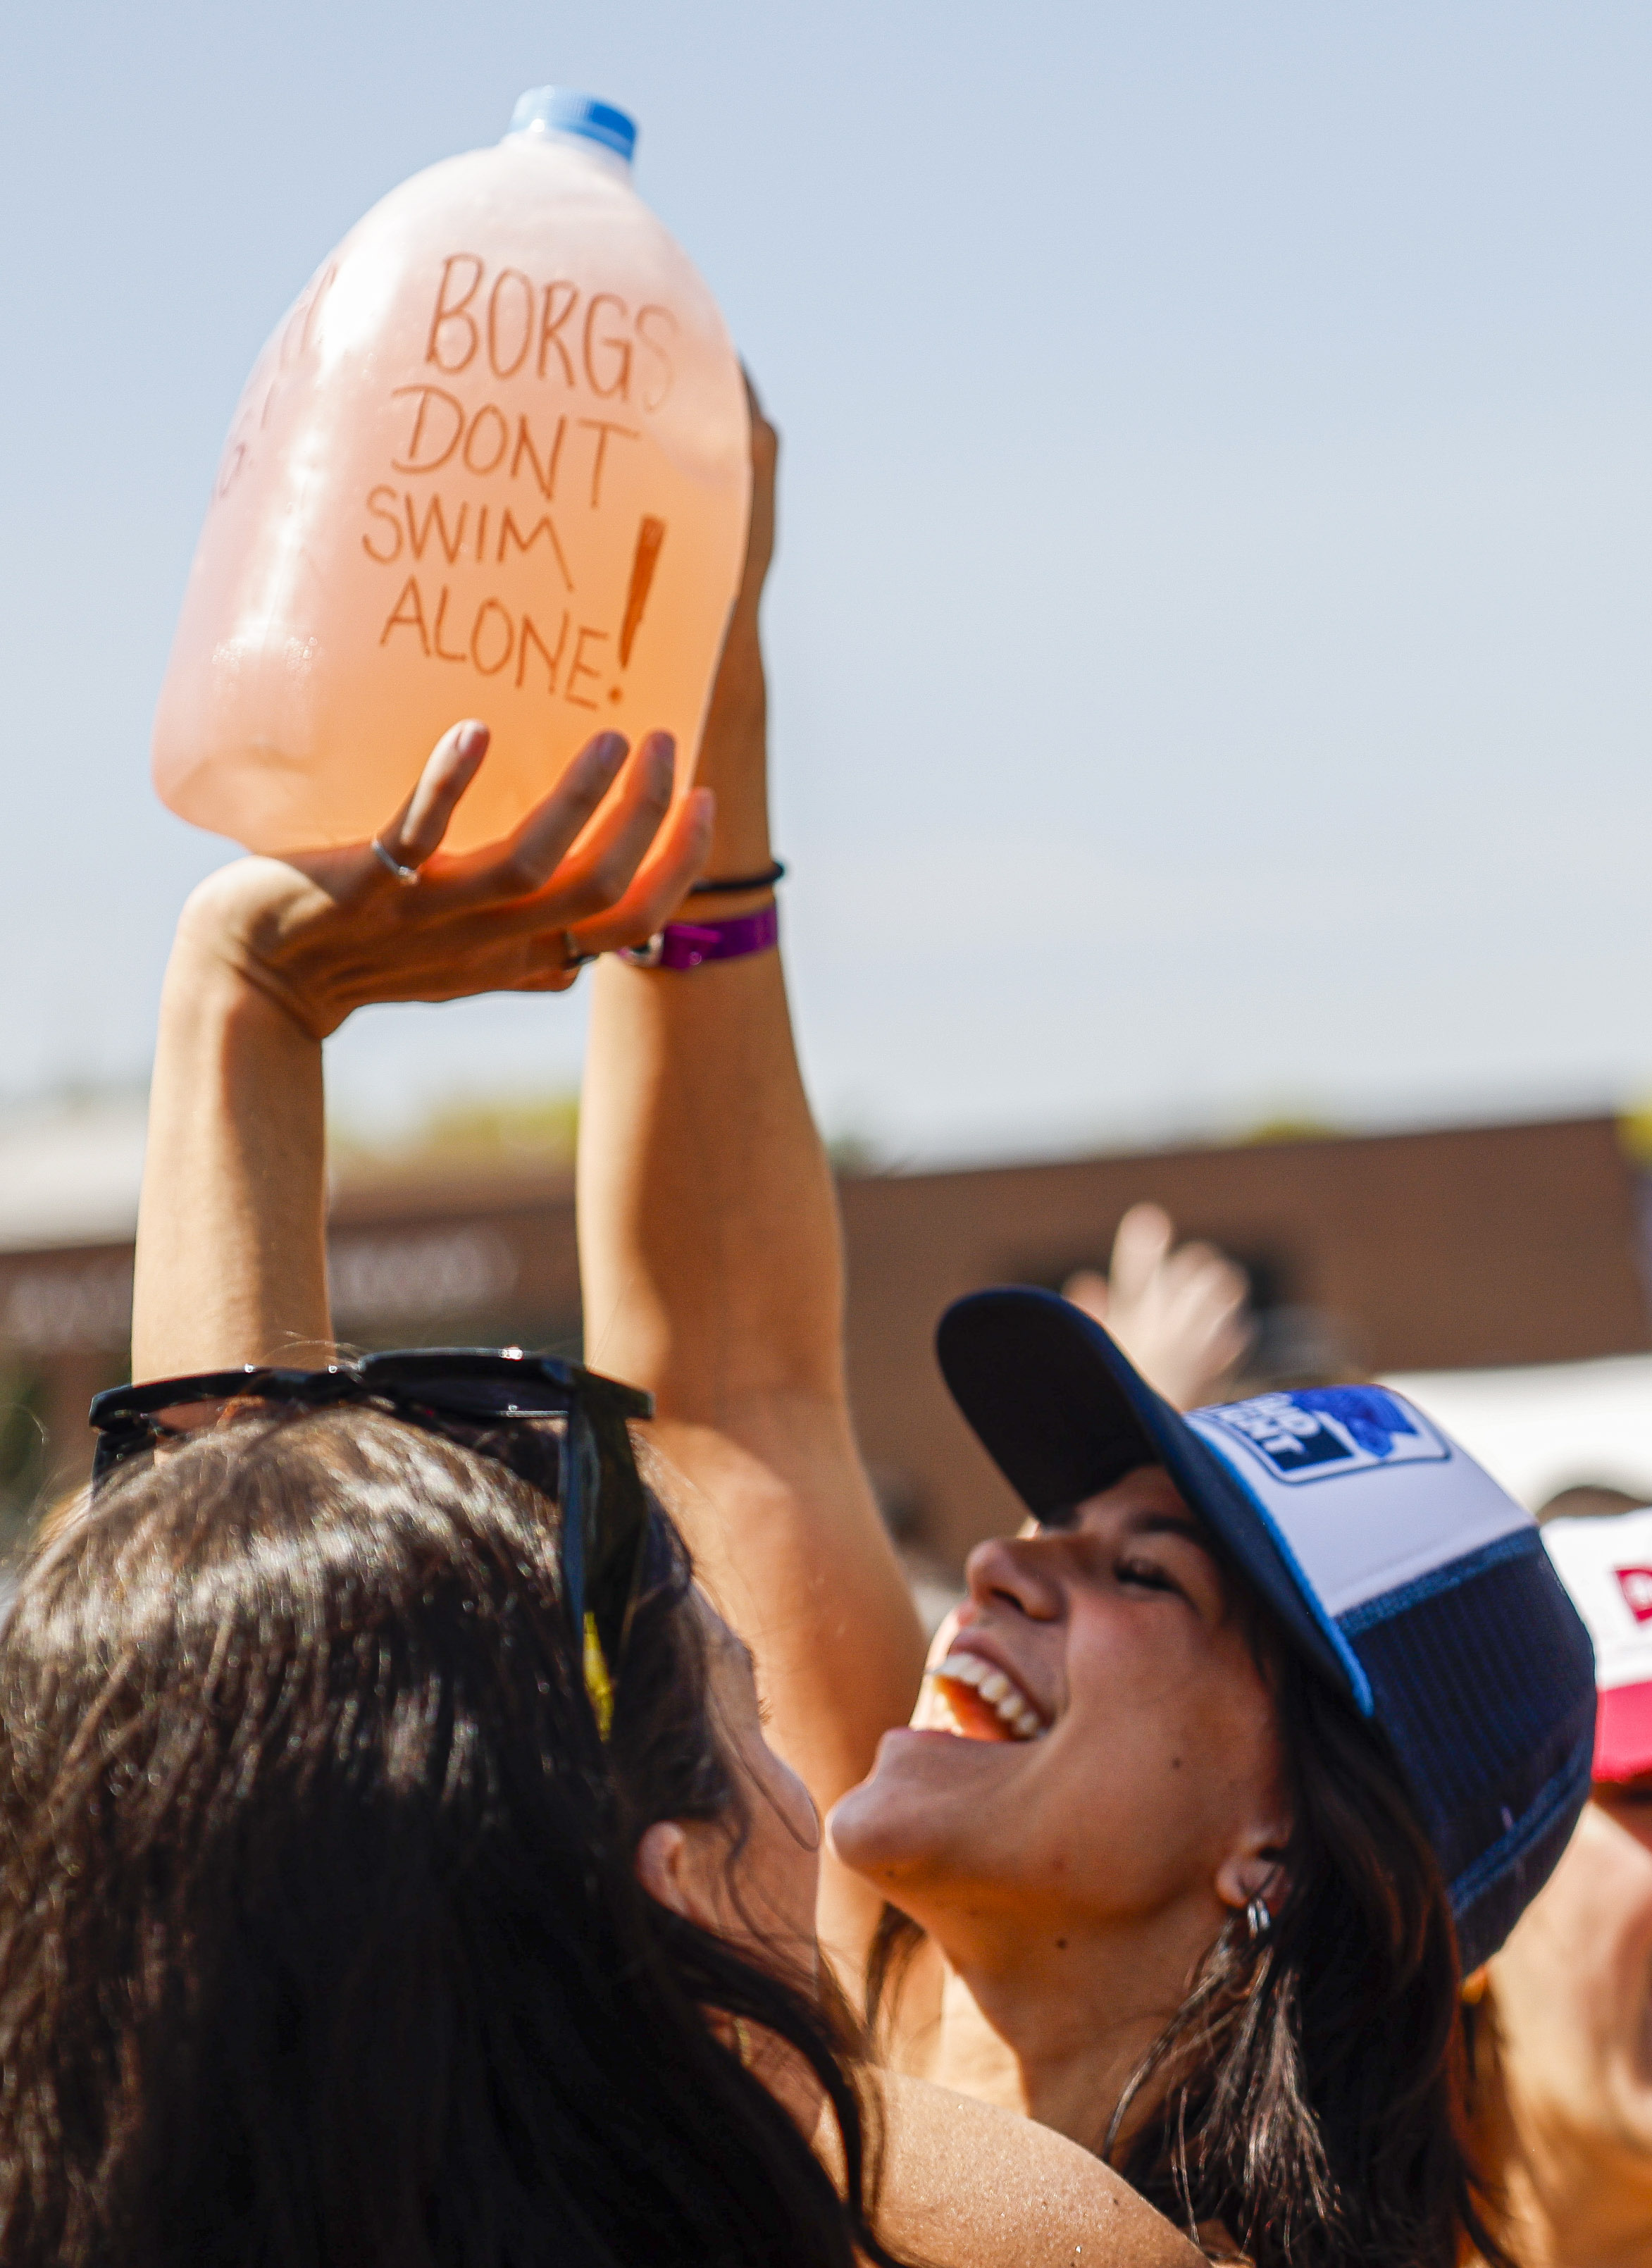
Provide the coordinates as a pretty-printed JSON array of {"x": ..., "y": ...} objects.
[
  {"x": 1158, "y": 1783},
  {"x": 1117, "y": 1630},
  {"x": 1274, "y": 1719}
]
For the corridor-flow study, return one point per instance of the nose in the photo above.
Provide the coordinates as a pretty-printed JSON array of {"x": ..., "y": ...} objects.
[{"x": 1016, "y": 1570}]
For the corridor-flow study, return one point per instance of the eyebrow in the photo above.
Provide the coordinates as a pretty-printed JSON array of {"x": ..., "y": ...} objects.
[{"x": 1165, "y": 1523}]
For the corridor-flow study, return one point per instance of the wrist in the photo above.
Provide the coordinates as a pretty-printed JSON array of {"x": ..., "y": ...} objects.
[
  {"x": 208, "y": 995},
  {"x": 691, "y": 943},
  {"x": 232, "y": 952},
  {"x": 718, "y": 893},
  {"x": 734, "y": 756}
]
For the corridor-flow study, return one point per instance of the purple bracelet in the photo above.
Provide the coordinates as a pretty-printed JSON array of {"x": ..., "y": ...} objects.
[{"x": 686, "y": 945}]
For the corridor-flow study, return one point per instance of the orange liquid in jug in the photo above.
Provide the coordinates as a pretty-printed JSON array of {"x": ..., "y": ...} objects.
[{"x": 495, "y": 463}]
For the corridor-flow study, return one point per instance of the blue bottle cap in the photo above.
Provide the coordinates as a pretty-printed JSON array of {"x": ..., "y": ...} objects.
[{"x": 561, "y": 110}]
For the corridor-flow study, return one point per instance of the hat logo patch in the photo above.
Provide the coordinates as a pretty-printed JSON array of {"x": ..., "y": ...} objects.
[
  {"x": 1322, "y": 1431},
  {"x": 1636, "y": 1583}
]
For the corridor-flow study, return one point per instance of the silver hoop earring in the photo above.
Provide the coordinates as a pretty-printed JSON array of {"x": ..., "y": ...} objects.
[{"x": 1258, "y": 1917}]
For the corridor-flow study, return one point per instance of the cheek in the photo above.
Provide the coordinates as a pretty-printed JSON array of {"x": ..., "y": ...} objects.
[
  {"x": 783, "y": 1852},
  {"x": 1180, "y": 1725},
  {"x": 793, "y": 1808},
  {"x": 1191, "y": 1698}
]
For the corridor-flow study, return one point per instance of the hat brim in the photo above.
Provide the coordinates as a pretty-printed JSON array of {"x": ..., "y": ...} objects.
[{"x": 1063, "y": 1414}]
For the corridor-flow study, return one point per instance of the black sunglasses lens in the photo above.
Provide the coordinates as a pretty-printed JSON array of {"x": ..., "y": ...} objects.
[
  {"x": 619, "y": 1533},
  {"x": 557, "y": 1426},
  {"x": 128, "y": 1427}
]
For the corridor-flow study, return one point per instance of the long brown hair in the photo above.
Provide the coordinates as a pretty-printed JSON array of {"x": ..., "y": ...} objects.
[
  {"x": 320, "y": 1936},
  {"x": 1311, "y": 2088}
]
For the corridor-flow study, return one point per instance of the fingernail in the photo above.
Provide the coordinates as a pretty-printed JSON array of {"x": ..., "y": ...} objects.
[
  {"x": 473, "y": 739},
  {"x": 608, "y": 748}
]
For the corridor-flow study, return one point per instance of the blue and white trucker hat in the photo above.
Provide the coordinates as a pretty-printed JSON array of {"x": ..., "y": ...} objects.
[{"x": 1401, "y": 1569}]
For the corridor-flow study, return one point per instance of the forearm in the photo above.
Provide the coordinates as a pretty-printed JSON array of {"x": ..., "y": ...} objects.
[
  {"x": 712, "y": 1273},
  {"x": 274, "y": 954},
  {"x": 709, "y": 1233},
  {"x": 710, "y": 1250},
  {"x": 232, "y": 1251}
]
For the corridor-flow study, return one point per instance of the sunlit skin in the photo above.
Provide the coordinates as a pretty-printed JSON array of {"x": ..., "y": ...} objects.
[
  {"x": 958, "y": 2183},
  {"x": 1073, "y": 1880},
  {"x": 753, "y": 1878},
  {"x": 231, "y": 1270},
  {"x": 1563, "y": 2106}
]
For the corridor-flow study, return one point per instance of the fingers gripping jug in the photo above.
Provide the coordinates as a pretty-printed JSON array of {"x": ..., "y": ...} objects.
[{"x": 495, "y": 463}]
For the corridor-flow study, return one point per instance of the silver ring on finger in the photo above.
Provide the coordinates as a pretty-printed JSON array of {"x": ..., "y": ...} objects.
[
  {"x": 571, "y": 957},
  {"x": 406, "y": 875}
]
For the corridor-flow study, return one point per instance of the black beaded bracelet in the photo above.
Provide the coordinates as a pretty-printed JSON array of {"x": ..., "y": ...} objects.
[{"x": 738, "y": 882}]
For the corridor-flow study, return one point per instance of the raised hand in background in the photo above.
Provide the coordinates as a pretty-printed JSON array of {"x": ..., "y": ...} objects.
[{"x": 1177, "y": 1311}]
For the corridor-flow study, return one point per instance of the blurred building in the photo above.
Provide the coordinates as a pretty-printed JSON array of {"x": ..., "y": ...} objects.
[
  {"x": 1572, "y": 1437},
  {"x": 1465, "y": 1250},
  {"x": 1470, "y": 1249}
]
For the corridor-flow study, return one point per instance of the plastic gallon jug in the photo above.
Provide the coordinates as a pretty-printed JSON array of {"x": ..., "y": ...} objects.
[{"x": 495, "y": 463}]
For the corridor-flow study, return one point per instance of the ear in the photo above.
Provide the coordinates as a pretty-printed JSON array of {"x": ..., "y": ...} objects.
[
  {"x": 1255, "y": 1868},
  {"x": 678, "y": 1866},
  {"x": 662, "y": 1867}
]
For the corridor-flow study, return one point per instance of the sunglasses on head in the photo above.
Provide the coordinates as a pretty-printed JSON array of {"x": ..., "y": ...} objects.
[{"x": 501, "y": 1403}]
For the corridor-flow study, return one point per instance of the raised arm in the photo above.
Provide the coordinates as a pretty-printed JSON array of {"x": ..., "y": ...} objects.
[
  {"x": 272, "y": 955},
  {"x": 713, "y": 1274}
]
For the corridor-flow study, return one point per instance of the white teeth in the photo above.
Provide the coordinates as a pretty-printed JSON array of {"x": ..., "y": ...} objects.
[
  {"x": 963, "y": 1668},
  {"x": 1000, "y": 1693}
]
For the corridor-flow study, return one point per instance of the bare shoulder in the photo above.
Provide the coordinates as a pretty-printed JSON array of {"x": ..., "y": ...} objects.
[{"x": 968, "y": 2185}]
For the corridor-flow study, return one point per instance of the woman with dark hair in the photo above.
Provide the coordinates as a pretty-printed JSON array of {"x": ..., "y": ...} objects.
[
  {"x": 393, "y": 1869},
  {"x": 323, "y": 1926},
  {"x": 1232, "y": 1806}
]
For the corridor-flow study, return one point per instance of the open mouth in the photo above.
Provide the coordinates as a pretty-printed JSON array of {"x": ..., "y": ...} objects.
[{"x": 984, "y": 1702}]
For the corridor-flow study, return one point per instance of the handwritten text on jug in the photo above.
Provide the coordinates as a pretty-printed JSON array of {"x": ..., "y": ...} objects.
[
  {"x": 534, "y": 457},
  {"x": 600, "y": 341}
]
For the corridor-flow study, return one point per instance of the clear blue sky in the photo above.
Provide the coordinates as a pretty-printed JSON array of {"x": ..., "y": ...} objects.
[{"x": 1210, "y": 641}]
